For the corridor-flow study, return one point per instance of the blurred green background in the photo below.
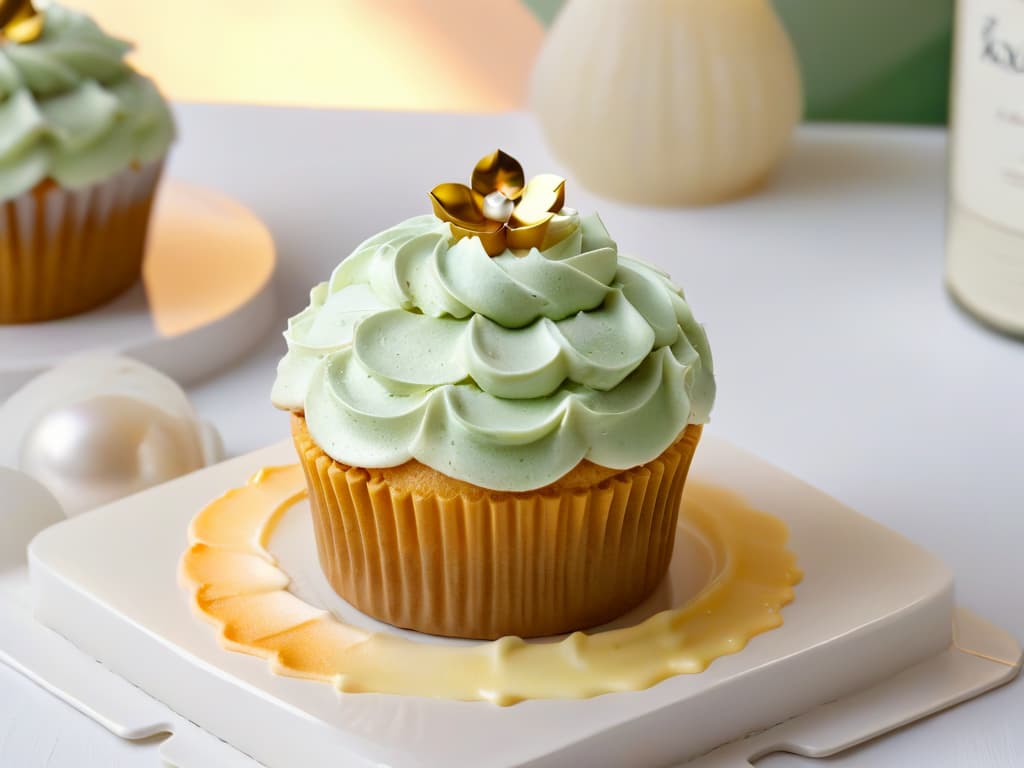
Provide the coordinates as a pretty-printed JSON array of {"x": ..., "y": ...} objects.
[{"x": 862, "y": 60}]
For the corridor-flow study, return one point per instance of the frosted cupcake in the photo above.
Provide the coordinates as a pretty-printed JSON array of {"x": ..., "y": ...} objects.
[
  {"x": 82, "y": 142},
  {"x": 496, "y": 413}
]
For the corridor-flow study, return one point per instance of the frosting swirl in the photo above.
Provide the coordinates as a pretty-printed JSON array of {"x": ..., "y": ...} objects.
[
  {"x": 503, "y": 372},
  {"x": 72, "y": 109}
]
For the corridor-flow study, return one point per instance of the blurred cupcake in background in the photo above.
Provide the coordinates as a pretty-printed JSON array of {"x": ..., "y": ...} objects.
[{"x": 83, "y": 138}]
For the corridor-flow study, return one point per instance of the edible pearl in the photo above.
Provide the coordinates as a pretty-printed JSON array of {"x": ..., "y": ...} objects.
[
  {"x": 497, "y": 207},
  {"x": 101, "y": 449}
]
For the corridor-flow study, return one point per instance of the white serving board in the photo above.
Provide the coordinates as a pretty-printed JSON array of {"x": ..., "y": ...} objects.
[
  {"x": 206, "y": 296},
  {"x": 871, "y": 631}
]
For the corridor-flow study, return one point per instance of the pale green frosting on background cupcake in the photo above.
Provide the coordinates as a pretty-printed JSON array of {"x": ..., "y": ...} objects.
[
  {"x": 72, "y": 109},
  {"x": 503, "y": 372}
]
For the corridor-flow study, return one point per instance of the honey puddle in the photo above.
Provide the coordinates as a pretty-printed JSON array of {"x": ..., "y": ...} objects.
[{"x": 238, "y": 586}]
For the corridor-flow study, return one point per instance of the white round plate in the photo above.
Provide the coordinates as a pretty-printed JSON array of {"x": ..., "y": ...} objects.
[{"x": 205, "y": 296}]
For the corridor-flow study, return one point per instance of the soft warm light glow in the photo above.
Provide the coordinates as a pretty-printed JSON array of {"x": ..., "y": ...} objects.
[
  {"x": 198, "y": 232},
  {"x": 457, "y": 55}
]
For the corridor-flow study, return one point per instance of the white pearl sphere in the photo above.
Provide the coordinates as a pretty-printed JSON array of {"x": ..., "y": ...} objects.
[
  {"x": 497, "y": 207},
  {"x": 97, "y": 427},
  {"x": 100, "y": 449}
]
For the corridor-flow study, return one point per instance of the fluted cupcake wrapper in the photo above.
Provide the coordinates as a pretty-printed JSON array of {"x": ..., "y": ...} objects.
[
  {"x": 495, "y": 564},
  {"x": 65, "y": 251}
]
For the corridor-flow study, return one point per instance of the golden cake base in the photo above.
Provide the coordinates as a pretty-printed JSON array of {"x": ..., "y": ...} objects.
[{"x": 420, "y": 550}]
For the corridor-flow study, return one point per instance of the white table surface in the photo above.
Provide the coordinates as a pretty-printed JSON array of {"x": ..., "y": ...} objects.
[{"x": 838, "y": 354}]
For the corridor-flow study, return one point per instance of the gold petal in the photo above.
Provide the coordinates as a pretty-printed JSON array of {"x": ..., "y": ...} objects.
[
  {"x": 20, "y": 21},
  {"x": 493, "y": 241},
  {"x": 457, "y": 203},
  {"x": 499, "y": 172},
  {"x": 529, "y": 236},
  {"x": 12, "y": 9},
  {"x": 544, "y": 195}
]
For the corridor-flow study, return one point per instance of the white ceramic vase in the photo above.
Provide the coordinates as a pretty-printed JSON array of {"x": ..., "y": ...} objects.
[{"x": 669, "y": 102}]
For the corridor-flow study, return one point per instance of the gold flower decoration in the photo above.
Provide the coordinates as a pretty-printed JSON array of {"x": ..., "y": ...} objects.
[
  {"x": 20, "y": 22},
  {"x": 502, "y": 209}
]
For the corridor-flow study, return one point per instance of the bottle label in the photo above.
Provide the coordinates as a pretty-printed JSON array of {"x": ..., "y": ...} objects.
[{"x": 988, "y": 121}]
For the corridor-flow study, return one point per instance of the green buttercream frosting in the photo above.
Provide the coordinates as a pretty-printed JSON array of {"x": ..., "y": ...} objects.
[
  {"x": 504, "y": 372},
  {"x": 72, "y": 109}
]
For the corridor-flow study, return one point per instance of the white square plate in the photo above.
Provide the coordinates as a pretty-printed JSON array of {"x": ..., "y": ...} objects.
[{"x": 872, "y": 627}]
